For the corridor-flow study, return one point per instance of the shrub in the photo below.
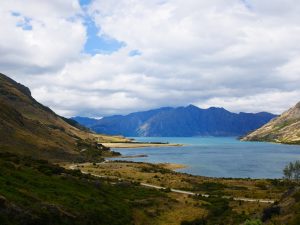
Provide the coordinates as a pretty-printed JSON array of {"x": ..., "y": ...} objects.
[
  {"x": 195, "y": 222},
  {"x": 269, "y": 212},
  {"x": 253, "y": 222},
  {"x": 292, "y": 171},
  {"x": 209, "y": 186}
]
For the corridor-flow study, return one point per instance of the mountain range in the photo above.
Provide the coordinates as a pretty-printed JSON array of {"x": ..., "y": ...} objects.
[
  {"x": 35, "y": 189},
  {"x": 178, "y": 122},
  {"x": 283, "y": 129}
]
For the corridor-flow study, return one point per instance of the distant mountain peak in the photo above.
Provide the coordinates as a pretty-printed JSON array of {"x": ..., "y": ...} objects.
[
  {"x": 192, "y": 106},
  {"x": 181, "y": 122},
  {"x": 217, "y": 108}
]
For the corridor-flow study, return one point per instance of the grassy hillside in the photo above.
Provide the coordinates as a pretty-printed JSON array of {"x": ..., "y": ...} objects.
[
  {"x": 36, "y": 192},
  {"x": 283, "y": 129},
  {"x": 286, "y": 211},
  {"x": 216, "y": 210},
  {"x": 29, "y": 128}
]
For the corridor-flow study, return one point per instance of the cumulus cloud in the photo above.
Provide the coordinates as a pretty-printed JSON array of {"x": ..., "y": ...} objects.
[
  {"x": 242, "y": 55},
  {"x": 39, "y": 36}
]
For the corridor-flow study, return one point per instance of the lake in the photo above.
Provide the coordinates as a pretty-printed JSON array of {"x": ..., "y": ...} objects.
[{"x": 219, "y": 156}]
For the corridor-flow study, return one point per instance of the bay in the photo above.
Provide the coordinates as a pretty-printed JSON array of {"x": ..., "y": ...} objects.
[{"x": 219, "y": 156}]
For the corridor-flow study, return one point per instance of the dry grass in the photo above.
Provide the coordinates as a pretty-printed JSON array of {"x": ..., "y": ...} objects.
[
  {"x": 162, "y": 176},
  {"x": 185, "y": 207}
]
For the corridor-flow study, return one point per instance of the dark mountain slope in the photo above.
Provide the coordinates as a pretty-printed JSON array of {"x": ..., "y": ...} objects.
[
  {"x": 29, "y": 128},
  {"x": 125, "y": 125},
  {"x": 181, "y": 122}
]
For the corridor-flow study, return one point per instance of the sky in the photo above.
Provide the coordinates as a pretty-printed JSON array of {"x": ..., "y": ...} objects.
[{"x": 102, "y": 57}]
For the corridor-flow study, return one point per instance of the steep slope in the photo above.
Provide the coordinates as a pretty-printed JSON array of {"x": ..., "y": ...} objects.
[
  {"x": 38, "y": 192},
  {"x": 286, "y": 210},
  {"x": 283, "y": 129},
  {"x": 29, "y": 128},
  {"x": 181, "y": 122}
]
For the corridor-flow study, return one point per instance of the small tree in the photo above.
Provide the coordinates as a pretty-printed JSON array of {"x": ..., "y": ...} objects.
[
  {"x": 297, "y": 170},
  {"x": 287, "y": 171},
  {"x": 292, "y": 171},
  {"x": 253, "y": 222}
]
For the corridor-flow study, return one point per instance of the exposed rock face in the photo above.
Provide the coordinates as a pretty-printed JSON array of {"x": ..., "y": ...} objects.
[
  {"x": 283, "y": 129},
  {"x": 181, "y": 122}
]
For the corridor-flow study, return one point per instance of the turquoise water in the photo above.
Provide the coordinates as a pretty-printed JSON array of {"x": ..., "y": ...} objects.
[{"x": 220, "y": 157}]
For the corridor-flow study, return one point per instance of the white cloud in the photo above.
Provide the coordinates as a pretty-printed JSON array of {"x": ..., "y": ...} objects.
[
  {"x": 53, "y": 40},
  {"x": 242, "y": 55}
]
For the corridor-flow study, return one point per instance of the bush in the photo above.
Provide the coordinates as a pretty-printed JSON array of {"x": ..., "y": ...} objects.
[
  {"x": 166, "y": 189},
  {"x": 269, "y": 212},
  {"x": 195, "y": 222},
  {"x": 292, "y": 171},
  {"x": 209, "y": 187},
  {"x": 49, "y": 169},
  {"x": 296, "y": 196},
  {"x": 253, "y": 222}
]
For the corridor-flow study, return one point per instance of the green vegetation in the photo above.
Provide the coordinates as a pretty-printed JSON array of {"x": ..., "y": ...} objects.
[
  {"x": 93, "y": 151},
  {"x": 37, "y": 192},
  {"x": 152, "y": 168},
  {"x": 292, "y": 171},
  {"x": 195, "y": 222},
  {"x": 253, "y": 222},
  {"x": 201, "y": 210},
  {"x": 219, "y": 212},
  {"x": 210, "y": 187},
  {"x": 287, "y": 209}
]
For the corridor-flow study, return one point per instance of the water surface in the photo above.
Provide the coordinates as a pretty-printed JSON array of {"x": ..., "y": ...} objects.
[{"x": 219, "y": 157}]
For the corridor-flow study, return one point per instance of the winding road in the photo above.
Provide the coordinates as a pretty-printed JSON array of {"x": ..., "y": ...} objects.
[{"x": 268, "y": 201}]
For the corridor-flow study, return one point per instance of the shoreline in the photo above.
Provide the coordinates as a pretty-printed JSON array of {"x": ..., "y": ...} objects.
[
  {"x": 165, "y": 165},
  {"x": 139, "y": 145},
  {"x": 132, "y": 156},
  {"x": 165, "y": 175},
  {"x": 172, "y": 166}
]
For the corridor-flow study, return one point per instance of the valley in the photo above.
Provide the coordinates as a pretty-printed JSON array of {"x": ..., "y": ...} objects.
[
  {"x": 162, "y": 112},
  {"x": 244, "y": 197},
  {"x": 55, "y": 171}
]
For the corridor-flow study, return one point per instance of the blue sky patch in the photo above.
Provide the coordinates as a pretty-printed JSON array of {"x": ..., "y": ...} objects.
[
  {"x": 85, "y": 2},
  {"x": 247, "y": 4},
  {"x": 134, "y": 53},
  {"x": 15, "y": 14},
  {"x": 96, "y": 44},
  {"x": 25, "y": 24}
]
